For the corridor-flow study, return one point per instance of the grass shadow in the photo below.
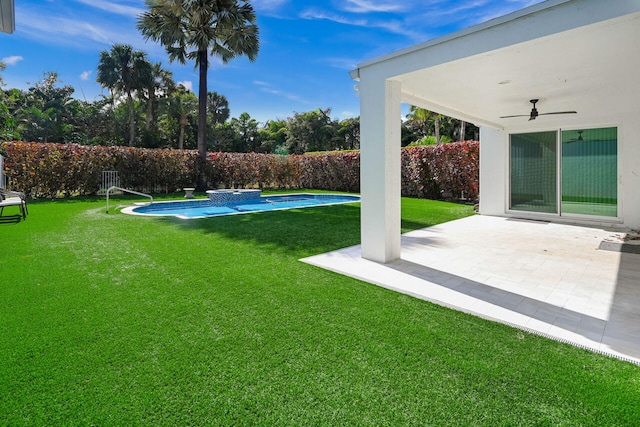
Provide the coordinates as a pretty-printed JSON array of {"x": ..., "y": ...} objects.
[
  {"x": 301, "y": 232},
  {"x": 10, "y": 219},
  {"x": 309, "y": 231}
]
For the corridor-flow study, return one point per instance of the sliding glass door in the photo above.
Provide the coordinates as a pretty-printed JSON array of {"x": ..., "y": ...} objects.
[
  {"x": 534, "y": 172},
  {"x": 590, "y": 172},
  {"x": 575, "y": 174}
]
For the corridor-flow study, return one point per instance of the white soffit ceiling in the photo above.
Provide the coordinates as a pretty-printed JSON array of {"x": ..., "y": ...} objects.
[{"x": 592, "y": 70}]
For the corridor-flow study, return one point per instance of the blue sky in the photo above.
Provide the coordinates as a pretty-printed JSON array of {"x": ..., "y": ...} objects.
[{"x": 307, "y": 47}]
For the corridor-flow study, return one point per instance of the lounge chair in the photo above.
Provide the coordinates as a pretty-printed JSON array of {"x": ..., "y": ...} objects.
[{"x": 13, "y": 198}]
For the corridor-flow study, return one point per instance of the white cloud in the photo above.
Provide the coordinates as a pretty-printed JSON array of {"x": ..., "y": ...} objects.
[
  {"x": 82, "y": 31},
  {"x": 187, "y": 84},
  {"x": 12, "y": 60},
  {"x": 267, "y": 88},
  {"x": 85, "y": 75},
  {"x": 342, "y": 63},
  {"x": 311, "y": 14},
  {"x": 458, "y": 15},
  {"x": 67, "y": 32},
  {"x": 392, "y": 26},
  {"x": 114, "y": 7},
  {"x": 367, "y": 6},
  {"x": 269, "y": 5},
  {"x": 402, "y": 29},
  {"x": 415, "y": 19}
]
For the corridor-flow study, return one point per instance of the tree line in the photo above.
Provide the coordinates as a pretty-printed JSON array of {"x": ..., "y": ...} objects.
[
  {"x": 158, "y": 113},
  {"x": 146, "y": 108}
]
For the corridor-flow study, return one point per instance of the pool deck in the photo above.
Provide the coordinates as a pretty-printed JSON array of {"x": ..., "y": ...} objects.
[{"x": 575, "y": 284}]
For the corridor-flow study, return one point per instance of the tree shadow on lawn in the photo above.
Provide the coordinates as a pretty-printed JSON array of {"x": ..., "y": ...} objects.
[{"x": 301, "y": 232}]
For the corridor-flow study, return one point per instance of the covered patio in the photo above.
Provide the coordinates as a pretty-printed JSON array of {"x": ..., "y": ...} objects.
[
  {"x": 575, "y": 56},
  {"x": 571, "y": 283}
]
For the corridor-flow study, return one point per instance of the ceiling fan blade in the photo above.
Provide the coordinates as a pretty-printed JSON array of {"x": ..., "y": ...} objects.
[
  {"x": 534, "y": 112},
  {"x": 558, "y": 112}
]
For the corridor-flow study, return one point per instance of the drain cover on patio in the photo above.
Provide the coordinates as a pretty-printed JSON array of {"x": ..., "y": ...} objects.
[{"x": 619, "y": 247}]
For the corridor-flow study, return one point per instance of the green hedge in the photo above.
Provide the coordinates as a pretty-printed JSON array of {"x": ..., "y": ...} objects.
[
  {"x": 443, "y": 171},
  {"x": 338, "y": 171},
  {"x": 59, "y": 170}
]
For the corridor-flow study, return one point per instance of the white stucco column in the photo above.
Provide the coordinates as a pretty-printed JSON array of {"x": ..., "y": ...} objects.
[
  {"x": 494, "y": 171},
  {"x": 380, "y": 178},
  {"x": 629, "y": 170}
]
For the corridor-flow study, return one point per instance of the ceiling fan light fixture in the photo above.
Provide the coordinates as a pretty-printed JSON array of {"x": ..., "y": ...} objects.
[{"x": 534, "y": 112}]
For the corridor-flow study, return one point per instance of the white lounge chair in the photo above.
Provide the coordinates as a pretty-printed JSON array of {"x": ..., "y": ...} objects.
[{"x": 13, "y": 198}]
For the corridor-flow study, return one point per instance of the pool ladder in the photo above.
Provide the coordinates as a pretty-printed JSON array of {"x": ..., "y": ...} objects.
[{"x": 128, "y": 191}]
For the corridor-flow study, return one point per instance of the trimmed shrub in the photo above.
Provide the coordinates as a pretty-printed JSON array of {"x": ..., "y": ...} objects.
[
  {"x": 338, "y": 171},
  {"x": 242, "y": 170},
  {"x": 456, "y": 169},
  {"x": 449, "y": 171},
  {"x": 52, "y": 170},
  {"x": 59, "y": 170}
]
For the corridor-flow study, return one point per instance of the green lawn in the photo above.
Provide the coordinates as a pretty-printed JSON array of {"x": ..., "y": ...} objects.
[{"x": 117, "y": 320}]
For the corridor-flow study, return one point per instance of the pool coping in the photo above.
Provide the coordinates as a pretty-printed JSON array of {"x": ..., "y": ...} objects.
[{"x": 129, "y": 210}]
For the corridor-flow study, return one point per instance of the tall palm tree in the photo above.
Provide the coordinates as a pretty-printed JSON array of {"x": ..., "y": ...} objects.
[
  {"x": 421, "y": 118},
  {"x": 160, "y": 85},
  {"x": 123, "y": 70},
  {"x": 195, "y": 29},
  {"x": 182, "y": 105},
  {"x": 218, "y": 107}
]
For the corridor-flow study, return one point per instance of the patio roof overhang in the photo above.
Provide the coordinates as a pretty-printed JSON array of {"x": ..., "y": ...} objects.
[
  {"x": 577, "y": 55},
  {"x": 572, "y": 55},
  {"x": 7, "y": 16}
]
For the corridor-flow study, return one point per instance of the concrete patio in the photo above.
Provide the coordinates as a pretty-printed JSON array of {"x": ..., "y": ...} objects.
[{"x": 576, "y": 284}]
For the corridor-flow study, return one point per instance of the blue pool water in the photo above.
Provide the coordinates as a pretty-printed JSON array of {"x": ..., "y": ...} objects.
[{"x": 203, "y": 208}]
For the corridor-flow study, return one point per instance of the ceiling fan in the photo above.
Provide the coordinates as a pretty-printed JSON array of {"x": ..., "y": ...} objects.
[{"x": 534, "y": 112}]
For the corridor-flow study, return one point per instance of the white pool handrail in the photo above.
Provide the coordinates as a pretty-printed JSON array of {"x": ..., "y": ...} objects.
[{"x": 128, "y": 191}]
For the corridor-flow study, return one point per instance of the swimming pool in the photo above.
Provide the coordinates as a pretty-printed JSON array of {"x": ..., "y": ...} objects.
[{"x": 204, "y": 208}]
